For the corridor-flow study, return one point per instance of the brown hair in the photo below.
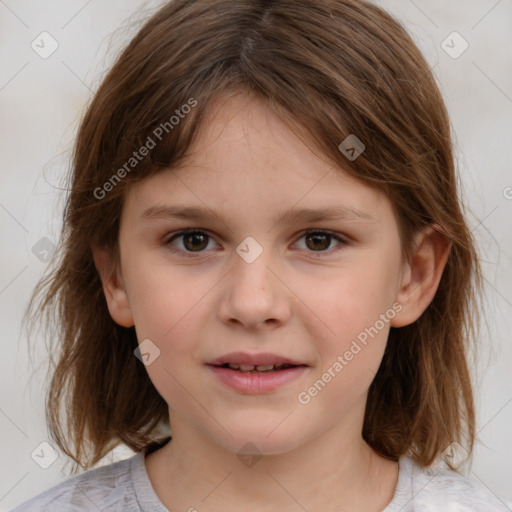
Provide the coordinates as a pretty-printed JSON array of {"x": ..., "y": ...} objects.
[{"x": 328, "y": 68}]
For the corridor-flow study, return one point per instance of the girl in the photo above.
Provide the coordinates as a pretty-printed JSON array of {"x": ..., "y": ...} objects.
[{"x": 266, "y": 282}]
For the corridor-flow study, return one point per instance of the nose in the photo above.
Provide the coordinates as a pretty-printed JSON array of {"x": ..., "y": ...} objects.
[{"x": 254, "y": 295}]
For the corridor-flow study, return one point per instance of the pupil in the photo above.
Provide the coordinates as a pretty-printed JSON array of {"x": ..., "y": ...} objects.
[
  {"x": 318, "y": 237},
  {"x": 187, "y": 237}
]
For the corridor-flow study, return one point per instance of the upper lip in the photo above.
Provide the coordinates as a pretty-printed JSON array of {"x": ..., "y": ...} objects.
[{"x": 261, "y": 359}]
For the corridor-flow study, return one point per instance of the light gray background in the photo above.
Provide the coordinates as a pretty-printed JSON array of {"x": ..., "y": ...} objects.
[{"x": 41, "y": 101}]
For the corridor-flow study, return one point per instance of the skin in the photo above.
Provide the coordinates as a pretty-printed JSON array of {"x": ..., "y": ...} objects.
[{"x": 297, "y": 298}]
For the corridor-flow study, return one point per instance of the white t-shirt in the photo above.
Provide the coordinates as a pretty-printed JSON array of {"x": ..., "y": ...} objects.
[{"x": 125, "y": 487}]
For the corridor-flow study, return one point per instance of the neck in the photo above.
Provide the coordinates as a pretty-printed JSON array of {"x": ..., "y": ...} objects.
[{"x": 193, "y": 472}]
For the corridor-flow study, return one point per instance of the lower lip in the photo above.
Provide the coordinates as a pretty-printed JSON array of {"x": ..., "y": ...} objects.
[{"x": 257, "y": 383}]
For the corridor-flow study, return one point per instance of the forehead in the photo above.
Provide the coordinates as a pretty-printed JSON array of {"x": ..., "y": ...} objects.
[{"x": 246, "y": 159}]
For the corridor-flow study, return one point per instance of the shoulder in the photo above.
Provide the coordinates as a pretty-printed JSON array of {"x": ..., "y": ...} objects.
[
  {"x": 436, "y": 488},
  {"x": 107, "y": 488}
]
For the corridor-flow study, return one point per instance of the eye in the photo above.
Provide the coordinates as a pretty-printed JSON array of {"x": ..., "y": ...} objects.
[
  {"x": 321, "y": 240},
  {"x": 196, "y": 241}
]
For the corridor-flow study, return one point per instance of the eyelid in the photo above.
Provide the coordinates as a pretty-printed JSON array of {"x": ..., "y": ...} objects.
[{"x": 342, "y": 241}]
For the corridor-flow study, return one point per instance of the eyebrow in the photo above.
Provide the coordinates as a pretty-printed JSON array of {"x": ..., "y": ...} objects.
[{"x": 290, "y": 216}]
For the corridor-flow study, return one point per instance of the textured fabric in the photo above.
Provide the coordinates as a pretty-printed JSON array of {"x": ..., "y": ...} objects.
[{"x": 125, "y": 486}]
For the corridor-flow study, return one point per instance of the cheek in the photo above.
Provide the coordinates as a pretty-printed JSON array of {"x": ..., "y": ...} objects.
[
  {"x": 171, "y": 307},
  {"x": 349, "y": 316},
  {"x": 167, "y": 310},
  {"x": 164, "y": 299},
  {"x": 350, "y": 350},
  {"x": 351, "y": 299}
]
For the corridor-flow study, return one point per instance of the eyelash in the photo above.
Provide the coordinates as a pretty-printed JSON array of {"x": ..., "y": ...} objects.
[{"x": 315, "y": 254}]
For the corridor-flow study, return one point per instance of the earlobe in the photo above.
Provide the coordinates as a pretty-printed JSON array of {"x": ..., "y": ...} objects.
[
  {"x": 422, "y": 275},
  {"x": 113, "y": 286}
]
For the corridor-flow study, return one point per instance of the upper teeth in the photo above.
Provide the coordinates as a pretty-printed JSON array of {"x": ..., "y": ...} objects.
[{"x": 250, "y": 367}]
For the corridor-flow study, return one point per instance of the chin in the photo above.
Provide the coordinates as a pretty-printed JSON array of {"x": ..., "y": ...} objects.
[{"x": 258, "y": 442}]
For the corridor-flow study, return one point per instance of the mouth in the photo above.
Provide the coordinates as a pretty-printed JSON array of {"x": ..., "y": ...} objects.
[
  {"x": 260, "y": 362},
  {"x": 257, "y": 379},
  {"x": 256, "y": 373},
  {"x": 250, "y": 368}
]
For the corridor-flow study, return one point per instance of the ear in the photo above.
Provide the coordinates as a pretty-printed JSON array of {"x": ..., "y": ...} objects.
[
  {"x": 421, "y": 276},
  {"x": 113, "y": 286}
]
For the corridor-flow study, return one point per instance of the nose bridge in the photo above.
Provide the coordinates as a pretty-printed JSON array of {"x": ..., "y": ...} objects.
[
  {"x": 251, "y": 263},
  {"x": 254, "y": 294}
]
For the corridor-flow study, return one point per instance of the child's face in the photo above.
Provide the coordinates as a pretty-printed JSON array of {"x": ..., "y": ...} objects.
[{"x": 303, "y": 298}]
